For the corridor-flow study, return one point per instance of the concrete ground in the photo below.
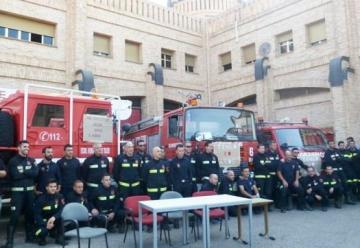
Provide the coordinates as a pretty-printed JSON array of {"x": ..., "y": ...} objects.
[{"x": 337, "y": 228}]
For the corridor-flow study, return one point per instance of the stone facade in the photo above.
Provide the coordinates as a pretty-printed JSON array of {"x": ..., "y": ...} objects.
[{"x": 205, "y": 29}]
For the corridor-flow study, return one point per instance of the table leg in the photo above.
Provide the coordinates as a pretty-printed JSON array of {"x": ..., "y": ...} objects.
[
  {"x": 140, "y": 228},
  {"x": 250, "y": 224},
  {"x": 204, "y": 223},
  {"x": 186, "y": 226},
  {"x": 207, "y": 226},
  {"x": 227, "y": 232},
  {"x": 154, "y": 230},
  {"x": 184, "y": 229},
  {"x": 266, "y": 222},
  {"x": 239, "y": 221}
]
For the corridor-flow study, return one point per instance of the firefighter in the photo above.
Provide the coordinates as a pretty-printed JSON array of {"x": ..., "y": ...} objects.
[
  {"x": 155, "y": 177},
  {"x": 180, "y": 173},
  {"x": 348, "y": 170},
  {"x": 207, "y": 163},
  {"x": 191, "y": 156},
  {"x": 47, "y": 212},
  {"x": 47, "y": 169},
  {"x": 22, "y": 173},
  {"x": 295, "y": 154},
  {"x": 274, "y": 158},
  {"x": 247, "y": 186},
  {"x": 78, "y": 194},
  {"x": 355, "y": 160},
  {"x": 332, "y": 185},
  {"x": 289, "y": 175},
  {"x": 229, "y": 186},
  {"x": 314, "y": 190},
  {"x": 93, "y": 168},
  {"x": 69, "y": 167},
  {"x": 3, "y": 174},
  {"x": 262, "y": 172},
  {"x": 144, "y": 158},
  {"x": 332, "y": 157},
  {"x": 105, "y": 202},
  {"x": 127, "y": 172},
  {"x": 211, "y": 184}
]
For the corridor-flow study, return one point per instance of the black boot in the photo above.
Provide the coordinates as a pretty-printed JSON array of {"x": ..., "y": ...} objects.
[
  {"x": 10, "y": 237},
  {"x": 348, "y": 199},
  {"x": 29, "y": 234}
]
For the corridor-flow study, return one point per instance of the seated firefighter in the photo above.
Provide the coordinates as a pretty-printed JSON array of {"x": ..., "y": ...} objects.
[
  {"x": 78, "y": 194},
  {"x": 47, "y": 213},
  {"x": 105, "y": 204},
  {"x": 333, "y": 186},
  {"x": 211, "y": 184},
  {"x": 247, "y": 185},
  {"x": 314, "y": 190}
]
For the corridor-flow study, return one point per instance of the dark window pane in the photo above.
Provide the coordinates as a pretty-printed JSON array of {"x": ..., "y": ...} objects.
[
  {"x": 47, "y": 115},
  {"x": 13, "y": 33},
  {"x": 163, "y": 63},
  {"x": 168, "y": 57},
  {"x": 25, "y": 35},
  {"x": 2, "y": 31},
  {"x": 36, "y": 38},
  {"x": 189, "y": 68},
  {"x": 48, "y": 40},
  {"x": 168, "y": 64},
  {"x": 227, "y": 67}
]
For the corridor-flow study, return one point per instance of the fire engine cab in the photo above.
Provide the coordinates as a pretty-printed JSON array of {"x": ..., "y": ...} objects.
[
  {"x": 232, "y": 131},
  {"x": 310, "y": 141}
]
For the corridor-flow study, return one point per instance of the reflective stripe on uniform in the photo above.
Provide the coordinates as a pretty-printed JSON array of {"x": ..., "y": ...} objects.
[
  {"x": 205, "y": 162},
  {"x": 47, "y": 208},
  {"x": 162, "y": 171},
  {"x": 93, "y": 166},
  {"x": 20, "y": 189},
  {"x": 38, "y": 232},
  {"x": 128, "y": 184},
  {"x": 262, "y": 176},
  {"x": 111, "y": 197},
  {"x": 125, "y": 165},
  {"x": 102, "y": 198},
  {"x": 155, "y": 190},
  {"x": 272, "y": 173},
  {"x": 94, "y": 185},
  {"x": 152, "y": 171}
]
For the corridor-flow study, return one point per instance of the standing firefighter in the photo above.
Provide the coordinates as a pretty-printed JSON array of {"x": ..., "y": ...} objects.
[
  {"x": 274, "y": 158},
  {"x": 262, "y": 172},
  {"x": 355, "y": 159},
  {"x": 127, "y": 172},
  {"x": 155, "y": 177},
  {"x": 180, "y": 173},
  {"x": 94, "y": 168},
  {"x": 69, "y": 167},
  {"x": 22, "y": 173},
  {"x": 207, "y": 163},
  {"x": 191, "y": 156},
  {"x": 47, "y": 212}
]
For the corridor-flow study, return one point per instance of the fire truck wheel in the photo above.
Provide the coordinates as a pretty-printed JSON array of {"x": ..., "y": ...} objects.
[{"x": 6, "y": 129}]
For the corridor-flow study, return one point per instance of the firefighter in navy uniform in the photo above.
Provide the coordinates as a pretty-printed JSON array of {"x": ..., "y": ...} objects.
[
  {"x": 207, "y": 163},
  {"x": 189, "y": 155},
  {"x": 22, "y": 173},
  {"x": 180, "y": 174},
  {"x": 333, "y": 186},
  {"x": 295, "y": 153},
  {"x": 144, "y": 159},
  {"x": 93, "y": 168},
  {"x": 229, "y": 186},
  {"x": 247, "y": 186},
  {"x": 355, "y": 158},
  {"x": 69, "y": 167},
  {"x": 211, "y": 184},
  {"x": 127, "y": 172},
  {"x": 314, "y": 190},
  {"x": 47, "y": 212},
  {"x": 262, "y": 172},
  {"x": 47, "y": 170},
  {"x": 275, "y": 160},
  {"x": 155, "y": 177},
  {"x": 105, "y": 202},
  {"x": 289, "y": 175},
  {"x": 78, "y": 194},
  {"x": 348, "y": 170}
]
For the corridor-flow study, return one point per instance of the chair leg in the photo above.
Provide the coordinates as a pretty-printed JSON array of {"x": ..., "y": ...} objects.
[
  {"x": 220, "y": 224},
  {"x": 106, "y": 241},
  {"x": 168, "y": 229},
  {"x": 197, "y": 227},
  {"x": 133, "y": 226},
  {"x": 126, "y": 230},
  {"x": 78, "y": 239},
  {"x": 89, "y": 243}
]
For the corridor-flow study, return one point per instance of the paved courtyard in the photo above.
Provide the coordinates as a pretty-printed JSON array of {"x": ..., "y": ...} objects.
[{"x": 295, "y": 229}]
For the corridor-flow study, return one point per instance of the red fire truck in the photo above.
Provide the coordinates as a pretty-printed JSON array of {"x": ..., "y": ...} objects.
[
  {"x": 231, "y": 129},
  {"x": 310, "y": 141},
  {"x": 59, "y": 117}
]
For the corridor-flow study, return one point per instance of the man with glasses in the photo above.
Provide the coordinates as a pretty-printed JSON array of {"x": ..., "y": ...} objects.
[{"x": 191, "y": 156}]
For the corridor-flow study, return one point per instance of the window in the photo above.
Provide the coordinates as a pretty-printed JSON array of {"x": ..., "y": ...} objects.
[
  {"x": 2, "y": 31},
  {"x": 249, "y": 54},
  {"x": 316, "y": 32},
  {"x": 26, "y": 29},
  {"x": 25, "y": 36},
  {"x": 101, "y": 45},
  {"x": 174, "y": 127},
  {"x": 301, "y": 137},
  {"x": 133, "y": 51},
  {"x": 36, "y": 38},
  {"x": 285, "y": 42},
  {"x": 47, "y": 115},
  {"x": 167, "y": 59},
  {"x": 13, "y": 33},
  {"x": 95, "y": 111},
  {"x": 190, "y": 61},
  {"x": 225, "y": 62}
]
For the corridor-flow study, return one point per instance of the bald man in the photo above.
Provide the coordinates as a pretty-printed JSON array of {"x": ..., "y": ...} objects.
[
  {"x": 155, "y": 176},
  {"x": 127, "y": 172},
  {"x": 94, "y": 167}
]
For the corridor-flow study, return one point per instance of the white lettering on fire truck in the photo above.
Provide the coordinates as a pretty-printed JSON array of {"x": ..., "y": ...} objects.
[{"x": 46, "y": 136}]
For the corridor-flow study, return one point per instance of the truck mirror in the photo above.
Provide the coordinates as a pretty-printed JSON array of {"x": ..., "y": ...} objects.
[
  {"x": 126, "y": 127},
  {"x": 284, "y": 146}
]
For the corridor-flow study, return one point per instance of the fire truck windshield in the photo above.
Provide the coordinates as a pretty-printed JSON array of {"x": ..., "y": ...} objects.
[
  {"x": 301, "y": 137},
  {"x": 219, "y": 124}
]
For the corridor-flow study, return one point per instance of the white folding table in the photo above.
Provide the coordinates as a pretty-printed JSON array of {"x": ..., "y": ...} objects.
[{"x": 172, "y": 205}]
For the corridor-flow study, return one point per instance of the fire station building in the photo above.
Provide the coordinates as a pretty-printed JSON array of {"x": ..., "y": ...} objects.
[{"x": 283, "y": 59}]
